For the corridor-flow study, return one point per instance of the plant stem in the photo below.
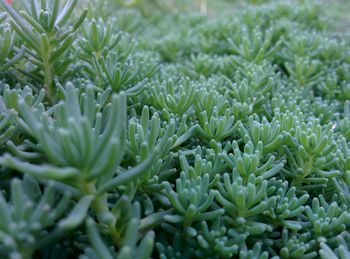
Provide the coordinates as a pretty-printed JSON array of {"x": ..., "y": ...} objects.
[
  {"x": 101, "y": 209},
  {"x": 48, "y": 82}
]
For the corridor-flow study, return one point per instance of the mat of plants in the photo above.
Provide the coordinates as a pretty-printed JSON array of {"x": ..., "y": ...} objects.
[{"x": 156, "y": 131}]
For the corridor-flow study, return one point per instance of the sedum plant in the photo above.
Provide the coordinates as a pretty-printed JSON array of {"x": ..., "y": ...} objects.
[
  {"x": 47, "y": 34},
  {"x": 126, "y": 133},
  {"x": 6, "y": 43},
  {"x": 30, "y": 212}
]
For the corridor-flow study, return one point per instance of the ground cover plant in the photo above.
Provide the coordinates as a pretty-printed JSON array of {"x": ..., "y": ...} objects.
[{"x": 127, "y": 133}]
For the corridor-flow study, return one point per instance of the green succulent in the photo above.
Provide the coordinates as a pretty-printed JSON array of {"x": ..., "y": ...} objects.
[{"x": 152, "y": 129}]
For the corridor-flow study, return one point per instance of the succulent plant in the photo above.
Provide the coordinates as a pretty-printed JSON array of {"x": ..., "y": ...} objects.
[{"x": 141, "y": 129}]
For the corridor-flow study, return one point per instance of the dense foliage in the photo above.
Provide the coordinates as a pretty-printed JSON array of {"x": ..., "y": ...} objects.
[{"x": 127, "y": 133}]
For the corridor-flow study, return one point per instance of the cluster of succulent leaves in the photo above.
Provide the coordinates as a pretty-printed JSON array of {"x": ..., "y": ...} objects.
[{"x": 134, "y": 134}]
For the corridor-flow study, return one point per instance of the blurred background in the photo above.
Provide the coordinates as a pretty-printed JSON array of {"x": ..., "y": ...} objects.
[
  {"x": 211, "y": 7},
  {"x": 334, "y": 9}
]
